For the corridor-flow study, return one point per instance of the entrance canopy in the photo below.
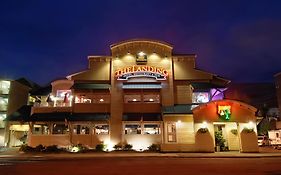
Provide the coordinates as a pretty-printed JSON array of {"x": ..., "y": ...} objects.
[{"x": 224, "y": 111}]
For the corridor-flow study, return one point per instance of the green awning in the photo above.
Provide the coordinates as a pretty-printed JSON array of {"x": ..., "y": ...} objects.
[
  {"x": 90, "y": 86},
  {"x": 54, "y": 116},
  {"x": 177, "y": 109}
]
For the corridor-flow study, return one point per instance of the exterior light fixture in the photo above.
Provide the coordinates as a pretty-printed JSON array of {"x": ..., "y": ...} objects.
[
  {"x": 150, "y": 99},
  {"x": 251, "y": 125},
  {"x": 141, "y": 53},
  {"x": 204, "y": 124},
  {"x": 134, "y": 99},
  {"x": 101, "y": 100}
]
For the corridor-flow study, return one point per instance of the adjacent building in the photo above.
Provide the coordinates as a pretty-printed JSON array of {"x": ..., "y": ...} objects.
[{"x": 142, "y": 94}]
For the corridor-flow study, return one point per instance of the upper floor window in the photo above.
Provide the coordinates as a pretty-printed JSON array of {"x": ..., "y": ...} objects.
[
  {"x": 3, "y": 103},
  {"x": 200, "y": 97},
  {"x": 4, "y": 87}
]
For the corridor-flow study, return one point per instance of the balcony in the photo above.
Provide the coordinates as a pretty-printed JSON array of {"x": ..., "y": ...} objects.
[{"x": 51, "y": 107}]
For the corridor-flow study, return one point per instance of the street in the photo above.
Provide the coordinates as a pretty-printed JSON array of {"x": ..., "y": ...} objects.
[{"x": 141, "y": 166}]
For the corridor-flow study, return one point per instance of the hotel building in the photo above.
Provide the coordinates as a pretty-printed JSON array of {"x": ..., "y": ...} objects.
[{"x": 142, "y": 94}]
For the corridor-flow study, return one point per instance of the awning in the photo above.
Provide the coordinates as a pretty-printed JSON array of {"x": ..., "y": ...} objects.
[
  {"x": 142, "y": 116},
  {"x": 90, "y": 86},
  {"x": 66, "y": 116},
  {"x": 54, "y": 116},
  {"x": 21, "y": 115},
  {"x": 203, "y": 86},
  {"x": 177, "y": 109},
  {"x": 89, "y": 117},
  {"x": 141, "y": 86}
]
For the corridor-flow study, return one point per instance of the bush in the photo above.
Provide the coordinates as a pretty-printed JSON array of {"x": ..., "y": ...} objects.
[
  {"x": 39, "y": 148},
  {"x": 52, "y": 149},
  {"x": 25, "y": 148},
  {"x": 154, "y": 147},
  {"x": 248, "y": 130},
  {"x": 100, "y": 147},
  {"x": 203, "y": 130},
  {"x": 128, "y": 147},
  {"x": 118, "y": 147}
]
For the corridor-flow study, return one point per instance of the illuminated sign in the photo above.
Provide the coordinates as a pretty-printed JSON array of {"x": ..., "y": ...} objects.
[
  {"x": 141, "y": 71},
  {"x": 224, "y": 111},
  {"x": 141, "y": 58}
]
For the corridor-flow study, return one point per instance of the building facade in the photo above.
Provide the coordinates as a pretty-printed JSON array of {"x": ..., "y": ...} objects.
[{"x": 143, "y": 94}]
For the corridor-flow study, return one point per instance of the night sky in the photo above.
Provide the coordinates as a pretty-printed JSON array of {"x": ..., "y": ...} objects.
[{"x": 46, "y": 40}]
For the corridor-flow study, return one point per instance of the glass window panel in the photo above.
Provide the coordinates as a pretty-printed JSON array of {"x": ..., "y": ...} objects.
[
  {"x": 41, "y": 129},
  {"x": 60, "y": 129},
  {"x": 4, "y": 87},
  {"x": 3, "y": 103},
  {"x": 200, "y": 97},
  {"x": 101, "y": 129},
  {"x": 132, "y": 129},
  {"x": 151, "y": 129}
]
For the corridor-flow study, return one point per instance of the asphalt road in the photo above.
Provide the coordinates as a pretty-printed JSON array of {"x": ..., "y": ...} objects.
[{"x": 142, "y": 166}]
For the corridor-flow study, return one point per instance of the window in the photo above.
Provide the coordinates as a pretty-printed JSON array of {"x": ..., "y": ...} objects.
[
  {"x": 101, "y": 129},
  {"x": 151, "y": 129},
  {"x": 132, "y": 98},
  {"x": 4, "y": 87},
  {"x": 132, "y": 129},
  {"x": 151, "y": 98},
  {"x": 81, "y": 129},
  {"x": 60, "y": 129},
  {"x": 3, "y": 103},
  {"x": 200, "y": 97},
  {"x": 171, "y": 132},
  {"x": 82, "y": 99},
  {"x": 41, "y": 129},
  {"x": 2, "y": 117}
]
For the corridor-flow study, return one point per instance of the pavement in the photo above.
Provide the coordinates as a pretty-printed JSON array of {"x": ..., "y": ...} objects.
[{"x": 13, "y": 153}]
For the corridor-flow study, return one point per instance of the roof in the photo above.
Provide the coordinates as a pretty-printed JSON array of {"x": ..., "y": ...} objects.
[
  {"x": 28, "y": 83},
  {"x": 43, "y": 91},
  {"x": 141, "y": 40},
  {"x": 90, "y": 86},
  {"x": 142, "y": 116},
  {"x": 22, "y": 114},
  {"x": 178, "y": 109},
  {"x": 205, "y": 85}
]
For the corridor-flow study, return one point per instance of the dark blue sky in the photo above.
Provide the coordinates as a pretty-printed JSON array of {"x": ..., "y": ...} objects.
[{"x": 44, "y": 40}]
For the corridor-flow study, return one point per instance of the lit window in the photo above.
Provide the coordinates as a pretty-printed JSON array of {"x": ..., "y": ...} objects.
[
  {"x": 4, "y": 87},
  {"x": 151, "y": 129},
  {"x": 132, "y": 129},
  {"x": 132, "y": 98},
  {"x": 81, "y": 129},
  {"x": 60, "y": 129},
  {"x": 151, "y": 98},
  {"x": 200, "y": 97},
  {"x": 171, "y": 134},
  {"x": 101, "y": 129},
  {"x": 3, "y": 103},
  {"x": 41, "y": 129}
]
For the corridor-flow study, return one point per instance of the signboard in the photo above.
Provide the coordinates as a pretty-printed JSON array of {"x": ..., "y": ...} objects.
[
  {"x": 141, "y": 71},
  {"x": 224, "y": 111}
]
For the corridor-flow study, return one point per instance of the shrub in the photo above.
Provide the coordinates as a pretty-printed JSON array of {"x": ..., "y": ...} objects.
[
  {"x": 248, "y": 130},
  {"x": 25, "y": 148},
  {"x": 52, "y": 149},
  {"x": 118, "y": 147},
  {"x": 203, "y": 130},
  {"x": 234, "y": 131},
  {"x": 100, "y": 147},
  {"x": 39, "y": 148},
  {"x": 128, "y": 147},
  {"x": 154, "y": 147}
]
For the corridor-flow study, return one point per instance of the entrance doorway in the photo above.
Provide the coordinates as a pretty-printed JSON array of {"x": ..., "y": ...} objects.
[{"x": 220, "y": 137}]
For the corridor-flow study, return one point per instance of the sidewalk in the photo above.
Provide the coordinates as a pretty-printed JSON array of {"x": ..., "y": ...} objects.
[{"x": 13, "y": 153}]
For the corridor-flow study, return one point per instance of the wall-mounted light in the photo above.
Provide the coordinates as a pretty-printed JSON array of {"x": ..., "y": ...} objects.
[
  {"x": 204, "y": 124},
  {"x": 150, "y": 99},
  {"x": 141, "y": 53},
  {"x": 101, "y": 100}
]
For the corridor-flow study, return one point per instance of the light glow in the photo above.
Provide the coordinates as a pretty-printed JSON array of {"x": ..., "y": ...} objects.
[
  {"x": 204, "y": 124},
  {"x": 141, "y": 53}
]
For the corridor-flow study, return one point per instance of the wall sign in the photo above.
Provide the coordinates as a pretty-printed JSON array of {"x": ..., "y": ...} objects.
[
  {"x": 141, "y": 71},
  {"x": 224, "y": 111}
]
